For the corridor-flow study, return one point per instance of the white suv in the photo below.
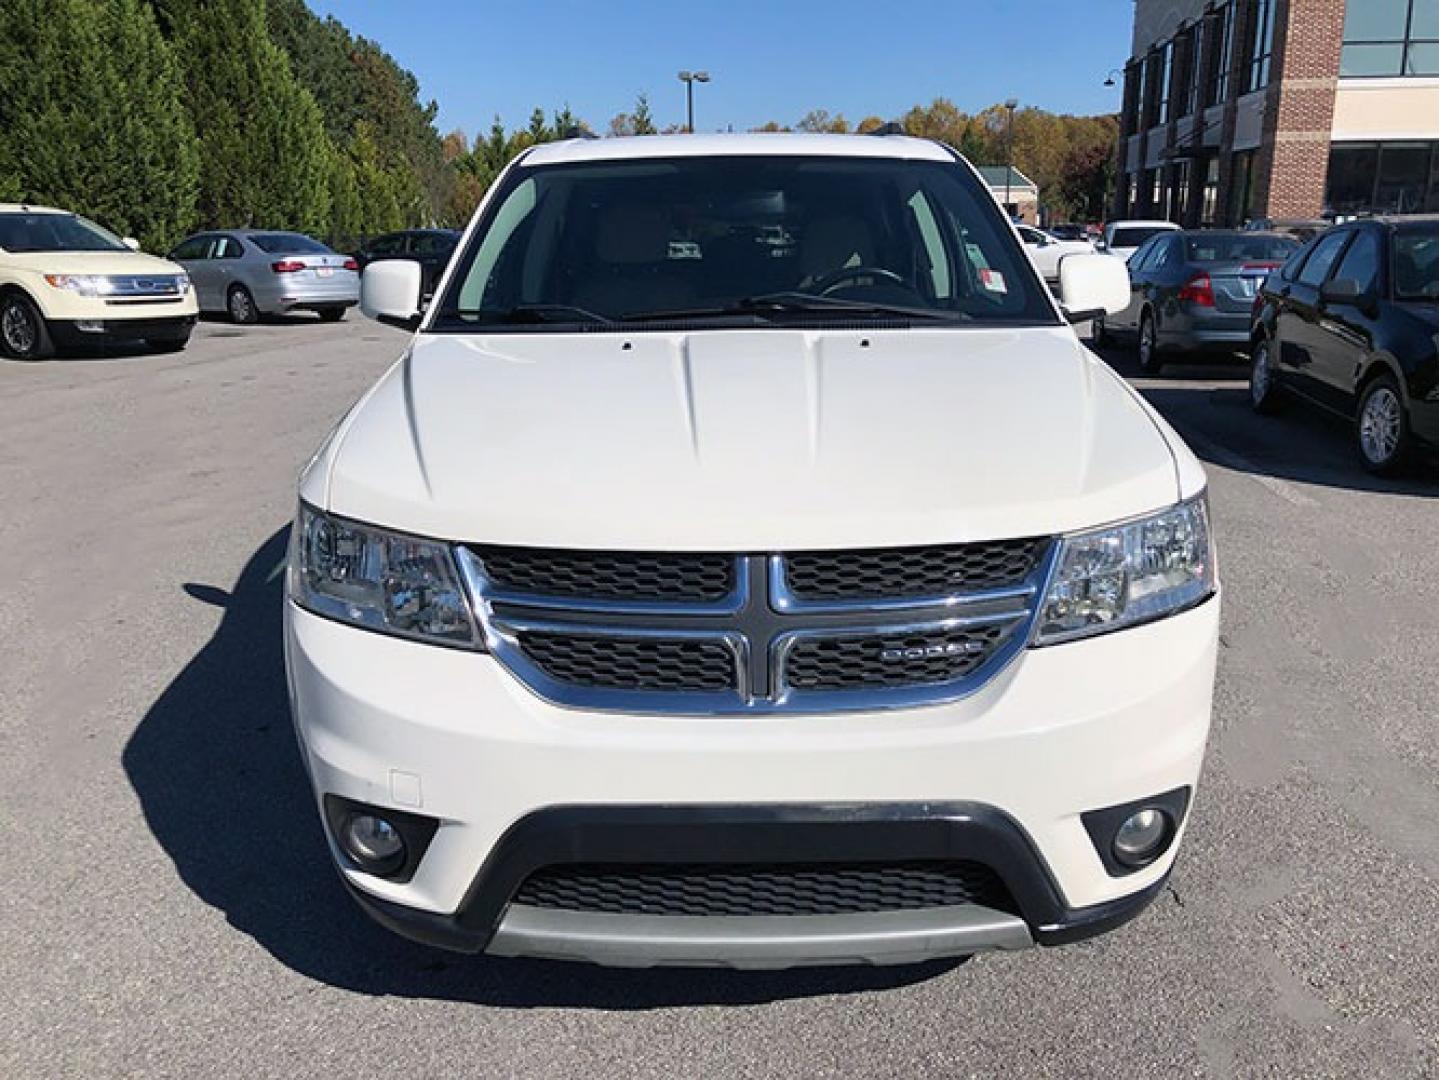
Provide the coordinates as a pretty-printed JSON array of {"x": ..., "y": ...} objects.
[{"x": 746, "y": 564}]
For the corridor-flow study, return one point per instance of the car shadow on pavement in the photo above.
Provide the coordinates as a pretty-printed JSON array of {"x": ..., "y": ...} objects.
[
  {"x": 1208, "y": 404},
  {"x": 219, "y": 777}
]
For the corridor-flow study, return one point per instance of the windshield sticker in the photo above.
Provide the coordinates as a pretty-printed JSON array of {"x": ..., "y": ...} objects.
[{"x": 993, "y": 280}]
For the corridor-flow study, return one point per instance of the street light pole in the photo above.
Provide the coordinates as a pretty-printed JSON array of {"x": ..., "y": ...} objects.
[
  {"x": 689, "y": 78},
  {"x": 1010, "y": 106}
]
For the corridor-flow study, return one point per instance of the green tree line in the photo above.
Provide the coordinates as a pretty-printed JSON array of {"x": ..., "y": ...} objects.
[{"x": 161, "y": 116}]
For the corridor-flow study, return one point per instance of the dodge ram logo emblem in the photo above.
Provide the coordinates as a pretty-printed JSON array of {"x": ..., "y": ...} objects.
[{"x": 931, "y": 652}]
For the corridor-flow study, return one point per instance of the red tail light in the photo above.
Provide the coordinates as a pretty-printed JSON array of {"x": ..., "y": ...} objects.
[
  {"x": 1198, "y": 290},
  {"x": 287, "y": 266},
  {"x": 351, "y": 264}
]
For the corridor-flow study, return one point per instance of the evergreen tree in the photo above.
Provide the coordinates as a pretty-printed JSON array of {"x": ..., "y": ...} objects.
[
  {"x": 93, "y": 116},
  {"x": 642, "y": 120},
  {"x": 264, "y": 153}
]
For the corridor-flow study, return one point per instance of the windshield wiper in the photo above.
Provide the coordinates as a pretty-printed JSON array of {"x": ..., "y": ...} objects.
[
  {"x": 536, "y": 313},
  {"x": 801, "y": 302}
]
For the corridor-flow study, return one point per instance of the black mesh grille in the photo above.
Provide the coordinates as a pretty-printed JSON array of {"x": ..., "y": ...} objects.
[
  {"x": 771, "y": 889},
  {"x": 891, "y": 659},
  {"x": 906, "y": 572},
  {"x": 610, "y": 575},
  {"x": 628, "y": 663}
]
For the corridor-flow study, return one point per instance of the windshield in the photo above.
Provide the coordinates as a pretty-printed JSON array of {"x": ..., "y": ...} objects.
[
  {"x": 20, "y": 232},
  {"x": 751, "y": 240},
  {"x": 1416, "y": 264},
  {"x": 288, "y": 243},
  {"x": 1133, "y": 238},
  {"x": 1239, "y": 248}
]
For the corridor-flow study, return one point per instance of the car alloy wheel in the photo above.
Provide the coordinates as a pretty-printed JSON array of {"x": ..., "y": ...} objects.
[
  {"x": 242, "y": 307},
  {"x": 19, "y": 332},
  {"x": 23, "y": 335},
  {"x": 1149, "y": 361},
  {"x": 1262, "y": 384},
  {"x": 1381, "y": 427}
]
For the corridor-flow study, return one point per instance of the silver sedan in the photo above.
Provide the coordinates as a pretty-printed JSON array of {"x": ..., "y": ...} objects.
[{"x": 246, "y": 273}]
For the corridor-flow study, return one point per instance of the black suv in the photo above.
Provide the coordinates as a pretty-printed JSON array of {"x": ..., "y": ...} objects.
[
  {"x": 431, "y": 248},
  {"x": 1350, "y": 323}
]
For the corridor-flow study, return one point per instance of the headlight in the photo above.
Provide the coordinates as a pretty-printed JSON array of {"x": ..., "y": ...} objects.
[
  {"x": 381, "y": 580},
  {"x": 84, "y": 284},
  {"x": 1130, "y": 573},
  {"x": 182, "y": 282}
]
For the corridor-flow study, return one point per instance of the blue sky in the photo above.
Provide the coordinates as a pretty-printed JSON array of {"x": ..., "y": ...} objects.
[{"x": 769, "y": 61}]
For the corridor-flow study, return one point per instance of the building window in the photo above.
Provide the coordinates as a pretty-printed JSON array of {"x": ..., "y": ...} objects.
[
  {"x": 1209, "y": 200},
  {"x": 1241, "y": 187},
  {"x": 1383, "y": 178},
  {"x": 1220, "y": 34},
  {"x": 1186, "y": 63},
  {"x": 1260, "y": 45},
  {"x": 1178, "y": 191},
  {"x": 1152, "y": 64},
  {"x": 1133, "y": 77},
  {"x": 1386, "y": 38},
  {"x": 1165, "y": 80}
]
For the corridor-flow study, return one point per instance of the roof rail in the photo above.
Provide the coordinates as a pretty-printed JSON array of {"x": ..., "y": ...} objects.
[
  {"x": 889, "y": 127},
  {"x": 574, "y": 131}
]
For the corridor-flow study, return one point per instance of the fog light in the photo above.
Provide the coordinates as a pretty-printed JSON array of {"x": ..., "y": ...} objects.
[
  {"x": 373, "y": 843},
  {"x": 1141, "y": 837},
  {"x": 90, "y": 326}
]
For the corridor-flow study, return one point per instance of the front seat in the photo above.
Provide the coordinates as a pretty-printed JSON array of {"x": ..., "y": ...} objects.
[{"x": 631, "y": 271}]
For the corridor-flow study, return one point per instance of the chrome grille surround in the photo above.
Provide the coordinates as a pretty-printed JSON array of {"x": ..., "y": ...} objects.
[{"x": 759, "y": 628}]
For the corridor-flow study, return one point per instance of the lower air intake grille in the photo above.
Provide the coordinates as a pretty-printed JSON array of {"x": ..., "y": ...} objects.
[
  {"x": 632, "y": 663},
  {"x": 892, "y": 659},
  {"x": 769, "y": 889}
]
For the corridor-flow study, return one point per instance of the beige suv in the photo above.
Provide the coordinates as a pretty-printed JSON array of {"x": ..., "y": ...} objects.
[{"x": 67, "y": 283}]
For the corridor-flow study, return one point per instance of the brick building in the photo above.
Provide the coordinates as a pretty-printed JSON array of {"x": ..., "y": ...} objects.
[{"x": 1241, "y": 109}]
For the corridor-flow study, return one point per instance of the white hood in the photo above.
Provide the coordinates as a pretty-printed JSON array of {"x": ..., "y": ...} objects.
[{"x": 747, "y": 440}]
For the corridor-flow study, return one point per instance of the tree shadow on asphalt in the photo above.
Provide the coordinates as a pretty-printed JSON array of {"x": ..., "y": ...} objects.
[
  {"x": 219, "y": 777},
  {"x": 1209, "y": 407}
]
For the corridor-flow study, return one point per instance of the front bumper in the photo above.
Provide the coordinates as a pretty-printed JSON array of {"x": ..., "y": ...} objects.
[
  {"x": 75, "y": 333},
  {"x": 1002, "y": 777}
]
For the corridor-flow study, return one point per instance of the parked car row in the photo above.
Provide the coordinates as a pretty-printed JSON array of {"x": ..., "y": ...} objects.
[
  {"x": 68, "y": 283},
  {"x": 1348, "y": 321}
]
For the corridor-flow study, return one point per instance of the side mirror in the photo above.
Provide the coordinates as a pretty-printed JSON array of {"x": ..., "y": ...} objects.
[
  {"x": 131, "y": 243},
  {"x": 1343, "y": 291},
  {"x": 1091, "y": 286},
  {"x": 390, "y": 292}
]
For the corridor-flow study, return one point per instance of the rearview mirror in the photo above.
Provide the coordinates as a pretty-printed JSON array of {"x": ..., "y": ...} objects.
[
  {"x": 1092, "y": 285},
  {"x": 390, "y": 292}
]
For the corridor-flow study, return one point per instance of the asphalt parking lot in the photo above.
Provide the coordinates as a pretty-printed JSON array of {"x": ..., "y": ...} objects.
[{"x": 169, "y": 909}]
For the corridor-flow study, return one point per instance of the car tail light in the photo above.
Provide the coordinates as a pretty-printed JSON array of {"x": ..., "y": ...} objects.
[
  {"x": 351, "y": 264},
  {"x": 1198, "y": 290},
  {"x": 287, "y": 266}
]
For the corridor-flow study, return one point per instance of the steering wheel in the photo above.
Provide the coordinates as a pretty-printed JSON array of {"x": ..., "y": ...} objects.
[{"x": 830, "y": 282}]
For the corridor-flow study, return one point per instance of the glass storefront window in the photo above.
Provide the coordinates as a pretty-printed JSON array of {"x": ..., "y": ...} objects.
[
  {"x": 1403, "y": 184},
  {"x": 1384, "y": 178},
  {"x": 1353, "y": 168}
]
